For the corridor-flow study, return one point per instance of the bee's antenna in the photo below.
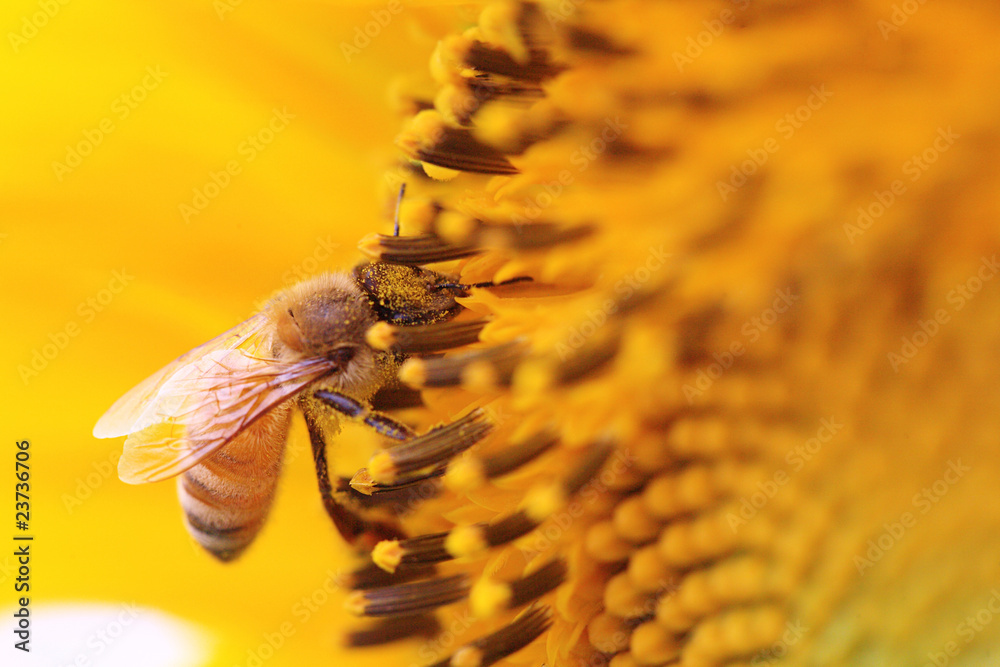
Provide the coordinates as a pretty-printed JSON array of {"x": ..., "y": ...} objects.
[{"x": 399, "y": 204}]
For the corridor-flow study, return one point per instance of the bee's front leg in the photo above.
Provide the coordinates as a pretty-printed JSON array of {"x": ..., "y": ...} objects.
[{"x": 355, "y": 409}]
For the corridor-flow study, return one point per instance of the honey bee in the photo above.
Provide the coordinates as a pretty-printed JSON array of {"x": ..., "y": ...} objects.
[{"x": 218, "y": 417}]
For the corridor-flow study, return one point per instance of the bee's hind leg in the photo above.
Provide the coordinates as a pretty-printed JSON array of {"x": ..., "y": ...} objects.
[{"x": 354, "y": 528}]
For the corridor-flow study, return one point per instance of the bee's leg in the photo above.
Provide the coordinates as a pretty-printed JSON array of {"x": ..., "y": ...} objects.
[
  {"x": 396, "y": 397},
  {"x": 352, "y": 527},
  {"x": 382, "y": 423}
]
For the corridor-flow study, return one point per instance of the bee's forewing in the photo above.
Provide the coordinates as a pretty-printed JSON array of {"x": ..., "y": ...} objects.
[
  {"x": 122, "y": 418},
  {"x": 204, "y": 405}
]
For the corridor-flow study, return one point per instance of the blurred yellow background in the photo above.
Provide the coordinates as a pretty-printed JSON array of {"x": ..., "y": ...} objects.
[{"x": 117, "y": 116}]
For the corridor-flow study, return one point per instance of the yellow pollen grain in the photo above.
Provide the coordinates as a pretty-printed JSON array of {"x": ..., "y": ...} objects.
[
  {"x": 371, "y": 246},
  {"x": 671, "y": 494},
  {"x": 512, "y": 269},
  {"x": 738, "y": 580},
  {"x": 382, "y": 469},
  {"x": 633, "y": 521},
  {"x": 688, "y": 542},
  {"x": 533, "y": 377},
  {"x": 464, "y": 541},
  {"x": 623, "y": 599},
  {"x": 387, "y": 554},
  {"x": 480, "y": 376},
  {"x": 608, "y": 633},
  {"x": 455, "y": 227},
  {"x": 604, "y": 544},
  {"x": 467, "y": 656},
  {"x": 446, "y": 61},
  {"x": 498, "y": 23},
  {"x": 355, "y": 603},
  {"x": 464, "y": 475},
  {"x": 416, "y": 215},
  {"x": 648, "y": 572},
  {"x": 670, "y": 615},
  {"x": 380, "y": 336},
  {"x": 499, "y": 126},
  {"x": 489, "y": 597},
  {"x": 623, "y": 659},
  {"x": 653, "y": 645},
  {"x": 700, "y": 437},
  {"x": 696, "y": 488},
  {"x": 650, "y": 454},
  {"x": 439, "y": 173},
  {"x": 452, "y": 101},
  {"x": 541, "y": 502},
  {"x": 422, "y": 132},
  {"x": 695, "y": 596},
  {"x": 413, "y": 372},
  {"x": 737, "y": 632}
]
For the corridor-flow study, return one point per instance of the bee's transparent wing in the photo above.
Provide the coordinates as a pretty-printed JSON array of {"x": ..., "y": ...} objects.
[
  {"x": 122, "y": 418},
  {"x": 205, "y": 404}
]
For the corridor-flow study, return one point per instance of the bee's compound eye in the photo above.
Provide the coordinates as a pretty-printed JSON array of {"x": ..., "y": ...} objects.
[{"x": 342, "y": 356}]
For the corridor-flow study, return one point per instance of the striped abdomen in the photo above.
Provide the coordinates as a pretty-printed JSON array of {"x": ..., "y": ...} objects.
[{"x": 227, "y": 497}]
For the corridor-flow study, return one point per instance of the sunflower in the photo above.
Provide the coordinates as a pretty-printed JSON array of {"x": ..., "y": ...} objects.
[
  {"x": 768, "y": 243},
  {"x": 741, "y": 414}
]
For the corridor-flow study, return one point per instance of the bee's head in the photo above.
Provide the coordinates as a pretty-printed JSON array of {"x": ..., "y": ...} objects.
[{"x": 326, "y": 316}]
